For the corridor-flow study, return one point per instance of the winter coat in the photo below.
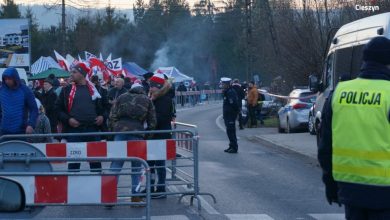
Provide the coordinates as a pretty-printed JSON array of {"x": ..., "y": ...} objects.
[
  {"x": 359, "y": 195},
  {"x": 48, "y": 100},
  {"x": 62, "y": 107},
  {"x": 253, "y": 95},
  {"x": 131, "y": 110},
  {"x": 17, "y": 105}
]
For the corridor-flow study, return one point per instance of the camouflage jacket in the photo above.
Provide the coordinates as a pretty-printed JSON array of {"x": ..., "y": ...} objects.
[{"x": 131, "y": 110}]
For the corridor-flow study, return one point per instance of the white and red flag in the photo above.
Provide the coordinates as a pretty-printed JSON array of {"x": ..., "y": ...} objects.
[{"x": 64, "y": 64}]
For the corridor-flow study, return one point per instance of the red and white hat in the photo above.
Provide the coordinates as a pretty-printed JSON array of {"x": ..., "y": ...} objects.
[{"x": 157, "y": 80}]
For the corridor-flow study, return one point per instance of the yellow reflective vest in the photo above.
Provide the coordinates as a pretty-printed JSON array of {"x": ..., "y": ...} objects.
[{"x": 361, "y": 132}]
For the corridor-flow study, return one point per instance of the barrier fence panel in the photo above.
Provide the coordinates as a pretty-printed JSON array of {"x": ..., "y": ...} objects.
[
  {"x": 179, "y": 153},
  {"x": 187, "y": 150},
  {"x": 191, "y": 98}
]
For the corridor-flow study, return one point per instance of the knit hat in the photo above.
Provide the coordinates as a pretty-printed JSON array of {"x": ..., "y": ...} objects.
[
  {"x": 377, "y": 50},
  {"x": 49, "y": 80},
  {"x": 157, "y": 80},
  {"x": 148, "y": 75},
  {"x": 82, "y": 68},
  {"x": 135, "y": 85}
]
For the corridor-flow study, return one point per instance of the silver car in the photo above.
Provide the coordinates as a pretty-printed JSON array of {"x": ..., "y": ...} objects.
[{"x": 295, "y": 114}]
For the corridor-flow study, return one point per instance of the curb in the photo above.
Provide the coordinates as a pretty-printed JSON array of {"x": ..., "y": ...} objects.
[{"x": 271, "y": 144}]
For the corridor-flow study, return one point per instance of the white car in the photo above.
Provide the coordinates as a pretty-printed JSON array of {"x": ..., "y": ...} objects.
[{"x": 295, "y": 114}]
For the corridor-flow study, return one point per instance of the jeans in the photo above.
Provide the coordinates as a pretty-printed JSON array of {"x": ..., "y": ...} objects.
[
  {"x": 94, "y": 166},
  {"x": 116, "y": 166}
]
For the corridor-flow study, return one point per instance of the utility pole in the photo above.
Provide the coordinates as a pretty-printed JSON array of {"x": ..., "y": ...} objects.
[
  {"x": 63, "y": 27},
  {"x": 249, "y": 57}
]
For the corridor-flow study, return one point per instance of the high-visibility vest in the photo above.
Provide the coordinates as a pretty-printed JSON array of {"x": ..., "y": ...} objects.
[{"x": 361, "y": 132}]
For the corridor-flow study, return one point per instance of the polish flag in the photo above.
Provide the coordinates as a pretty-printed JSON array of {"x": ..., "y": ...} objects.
[{"x": 62, "y": 61}]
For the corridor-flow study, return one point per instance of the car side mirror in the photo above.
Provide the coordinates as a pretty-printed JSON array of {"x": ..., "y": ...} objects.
[
  {"x": 12, "y": 198},
  {"x": 314, "y": 84}
]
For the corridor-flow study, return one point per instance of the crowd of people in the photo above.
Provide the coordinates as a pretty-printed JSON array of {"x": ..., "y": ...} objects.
[{"x": 81, "y": 105}]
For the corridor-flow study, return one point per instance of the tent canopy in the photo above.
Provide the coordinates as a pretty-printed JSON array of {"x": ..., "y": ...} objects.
[
  {"x": 134, "y": 69},
  {"x": 172, "y": 72},
  {"x": 42, "y": 64},
  {"x": 59, "y": 73}
]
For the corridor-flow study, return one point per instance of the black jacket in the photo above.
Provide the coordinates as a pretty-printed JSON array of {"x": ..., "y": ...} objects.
[
  {"x": 240, "y": 93},
  {"x": 231, "y": 106},
  {"x": 62, "y": 107},
  {"x": 48, "y": 100},
  {"x": 365, "y": 196}
]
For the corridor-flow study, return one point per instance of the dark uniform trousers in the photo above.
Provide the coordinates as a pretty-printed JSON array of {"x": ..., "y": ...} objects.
[
  {"x": 230, "y": 123},
  {"x": 357, "y": 213}
]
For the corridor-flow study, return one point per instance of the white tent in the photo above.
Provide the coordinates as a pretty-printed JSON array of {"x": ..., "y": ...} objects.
[
  {"x": 172, "y": 72},
  {"x": 42, "y": 64}
]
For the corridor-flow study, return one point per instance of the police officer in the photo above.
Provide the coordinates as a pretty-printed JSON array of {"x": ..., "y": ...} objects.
[
  {"x": 230, "y": 112},
  {"x": 354, "y": 151}
]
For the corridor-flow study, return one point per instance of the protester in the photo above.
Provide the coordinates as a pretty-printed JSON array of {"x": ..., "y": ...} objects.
[
  {"x": 182, "y": 88},
  {"x": 354, "y": 145},
  {"x": 240, "y": 95},
  {"x": 129, "y": 113},
  {"x": 19, "y": 110},
  {"x": 127, "y": 83},
  {"x": 115, "y": 92},
  {"x": 80, "y": 110},
  {"x": 253, "y": 96},
  {"x": 145, "y": 82},
  {"x": 230, "y": 113},
  {"x": 42, "y": 125},
  {"x": 104, "y": 102},
  {"x": 159, "y": 94},
  {"x": 48, "y": 99}
]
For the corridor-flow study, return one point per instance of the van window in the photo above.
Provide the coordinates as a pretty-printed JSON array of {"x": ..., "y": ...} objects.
[
  {"x": 327, "y": 80},
  {"x": 357, "y": 61},
  {"x": 343, "y": 62}
]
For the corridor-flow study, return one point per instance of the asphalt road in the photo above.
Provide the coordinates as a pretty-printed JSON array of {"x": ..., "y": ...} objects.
[{"x": 258, "y": 183}]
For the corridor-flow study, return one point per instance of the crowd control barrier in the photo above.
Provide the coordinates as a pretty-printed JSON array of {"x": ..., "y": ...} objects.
[
  {"x": 180, "y": 153},
  {"x": 191, "y": 98},
  {"x": 185, "y": 167},
  {"x": 41, "y": 171}
]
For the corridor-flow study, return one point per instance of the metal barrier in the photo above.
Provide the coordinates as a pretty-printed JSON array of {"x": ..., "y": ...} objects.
[
  {"x": 192, "y": 98},
  {"x": 187, "y": 148},
  {"x": 181, "y": 151}
]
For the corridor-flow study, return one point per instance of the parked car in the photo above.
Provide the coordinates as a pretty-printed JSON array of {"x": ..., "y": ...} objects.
[
  {"x": 312, "y": 127},
  {"x": 294, "y": 115}
]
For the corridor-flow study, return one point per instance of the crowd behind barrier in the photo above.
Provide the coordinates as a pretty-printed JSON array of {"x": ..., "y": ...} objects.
[{"x": 85, "y": 187}]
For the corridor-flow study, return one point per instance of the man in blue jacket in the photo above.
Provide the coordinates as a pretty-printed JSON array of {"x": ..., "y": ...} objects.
[{"x": 19, "y": 110}]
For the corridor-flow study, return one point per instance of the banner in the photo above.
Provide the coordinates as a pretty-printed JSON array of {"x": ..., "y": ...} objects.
[{"x": 14, "y": 43}]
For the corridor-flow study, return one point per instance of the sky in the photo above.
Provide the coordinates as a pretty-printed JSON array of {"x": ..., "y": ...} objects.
[{"x": 119, "y": 4}]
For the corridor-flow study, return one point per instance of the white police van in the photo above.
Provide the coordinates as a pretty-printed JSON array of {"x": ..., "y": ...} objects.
[{"x": 344, "y": 57}]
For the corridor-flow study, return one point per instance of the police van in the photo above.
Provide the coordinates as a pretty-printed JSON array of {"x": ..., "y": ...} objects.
[{"x": 344, "y": 57}]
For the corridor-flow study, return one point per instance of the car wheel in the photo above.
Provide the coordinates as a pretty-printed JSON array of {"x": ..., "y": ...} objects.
[
  {"x": 288, "y": 128},
  {"x": 311, "y": 125},
  {"x": 280, "y": 129}
]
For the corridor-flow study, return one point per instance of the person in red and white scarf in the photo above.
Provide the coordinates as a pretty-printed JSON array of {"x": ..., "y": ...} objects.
[{"x": 80, "y": 110}]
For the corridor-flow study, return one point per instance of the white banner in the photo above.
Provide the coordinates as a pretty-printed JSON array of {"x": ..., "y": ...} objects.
[
  {"x": 19, "y": 60},
  {"x": 115, "y": 65}
]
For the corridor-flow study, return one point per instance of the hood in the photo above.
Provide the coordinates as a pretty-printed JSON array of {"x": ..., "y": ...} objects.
[
  {"x": 373, "y": 70},
  {"x": 12, "y": 73},
  {"x": 137, "y": 90}
]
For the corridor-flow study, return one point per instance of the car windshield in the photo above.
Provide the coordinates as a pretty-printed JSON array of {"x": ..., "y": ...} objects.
[{"x": 310, "y": 99}]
